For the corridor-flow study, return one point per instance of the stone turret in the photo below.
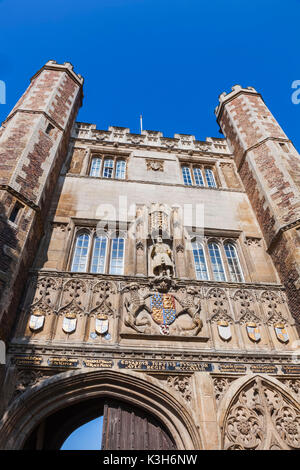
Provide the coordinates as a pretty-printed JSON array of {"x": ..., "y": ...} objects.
[
  {"x": 269, "y": 166},
  {"x": 33, "y": 145}
]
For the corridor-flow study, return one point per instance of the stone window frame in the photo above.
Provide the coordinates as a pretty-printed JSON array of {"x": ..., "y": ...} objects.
[
  {"x": 107, "y": 156},
  {"x": 221, "y": 241},
  {"x": 91, "y": 231},
  {"x": 202, "y": 166}
]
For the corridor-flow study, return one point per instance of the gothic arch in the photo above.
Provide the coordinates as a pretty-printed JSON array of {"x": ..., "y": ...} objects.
[
  {"x": 259, "y": 412},
  {"x": 69, "y": 388}
]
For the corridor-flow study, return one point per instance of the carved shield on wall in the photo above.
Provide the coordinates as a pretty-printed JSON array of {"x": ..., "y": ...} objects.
[
  {"x": 224, "y": 330},
  {"x": 69, "y": 323},
  {"x": 101, "y": 324},
  {"x": 253, "y": 331},
  {"x": 281, "y": 333},
  {"x": 36, "y": 321}
]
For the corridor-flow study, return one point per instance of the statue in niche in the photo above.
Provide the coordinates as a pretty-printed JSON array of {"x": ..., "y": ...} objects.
[{"x": 162, "y": 263}]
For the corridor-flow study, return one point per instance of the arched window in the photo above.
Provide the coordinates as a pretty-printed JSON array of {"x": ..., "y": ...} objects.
[
  {"x": 99, "y": 255},
  {"x": 187, "y": 178},
  {"x": 108, "y": 167},
  {"x": 233, "y": 263},
  {"x": 200, "y": 263},
  {"x": 210, "y": 179},
  {"x": 216, "y": 262},
  {"x": 198, "y": 177},
  {"x": 80, "y": 256},
  {"x": 120, "y": 169},
  {"x": 117, "y": 256},
  {"x": 95, "y": 166}
]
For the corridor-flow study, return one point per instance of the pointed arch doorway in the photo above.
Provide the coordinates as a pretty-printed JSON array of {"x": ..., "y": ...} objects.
[{"x": 124, "y": 427}]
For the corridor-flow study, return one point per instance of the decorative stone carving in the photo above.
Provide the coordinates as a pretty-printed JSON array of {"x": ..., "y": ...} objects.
[
  {"x": 261, "y": 417},
  {"x": 253, "y": 242},
  {"x": 162, "y": 310},
  {"x": 160, "y": 221},
  {"x": 179, "y": 248},
  {"x": 25, "y": 379},
  {"x": 271, "y": 302},
  {"x": 139, "y": 246},
  {"x": 155, "y": 165},
  {"x": 221, "y": 385},
  {"x": 182, "y": 385}
]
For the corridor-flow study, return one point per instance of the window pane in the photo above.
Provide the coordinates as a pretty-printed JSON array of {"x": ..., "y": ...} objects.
[
  {"x": 80, "y": 253},
  {"x": 199, "y": 258},
  {"x": 216, "y": 262},
  {"x": 108, "y": 168},
  {"x": 233, "y": 263},
  {"x": 211, "y": 183},
  {"x": 120, "y": 169},
  {"x": 117, "y": 256},
  {"x": 198, "y": 177},
  {"x": 186, "y": 173},
  {"x": 95, "y": 167},
  {"x": 99, "y": 252}
]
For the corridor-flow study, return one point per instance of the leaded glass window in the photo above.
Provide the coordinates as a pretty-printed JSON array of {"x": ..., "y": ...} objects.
[
  {"x": 95, "y": 167},
  {"x": 80, "y": 256},
  {"x": 187, "y": 178},
  {"x": 99, "y": 255},
  {"x": 233, "y": 263},
  {"x": 210, "y": 179},
  {"x": 216, "y": 262},
  {"x": 108, "y": 167},
  {"x": 198, "y": 177},
  {"x": 120, "y": 169},
  {"x": 200, "y": 263},
  {"x": 117, "y": 256}
]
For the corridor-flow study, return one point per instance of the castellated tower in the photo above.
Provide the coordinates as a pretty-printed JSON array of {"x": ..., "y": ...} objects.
[
  {"x": 33, "y": 144},
  {"x": 269, "y": 167}
]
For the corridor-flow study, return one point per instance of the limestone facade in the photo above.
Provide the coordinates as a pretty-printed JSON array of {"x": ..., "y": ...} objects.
[{"x": 159, "y": 271}]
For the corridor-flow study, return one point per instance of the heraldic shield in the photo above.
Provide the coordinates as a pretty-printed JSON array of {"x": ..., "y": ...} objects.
[
  {"x": 101, "y": 324},
  {"x": 36, "y": 321},
  {"x": 253, "y": 331},
  {"x": 69, "y": 323},
  {"x": 224, "y": 330},
  {"x": 163, "y": 310},
  {"x": 281, "y": 333}
]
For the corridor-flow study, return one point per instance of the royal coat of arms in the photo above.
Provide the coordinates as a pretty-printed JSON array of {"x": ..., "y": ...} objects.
[
  {"x": 163, "y": 311},
  {"x": 253, "y": 331},
  {"x": 281, "y": 333}
]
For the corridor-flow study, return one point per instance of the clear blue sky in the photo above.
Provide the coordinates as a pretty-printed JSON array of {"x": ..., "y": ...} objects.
[
  {"x": 168, "y": 59},
  {"x": 86, "y": 437}
]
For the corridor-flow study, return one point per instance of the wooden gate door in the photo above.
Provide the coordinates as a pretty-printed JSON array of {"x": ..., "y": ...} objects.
[{"x": 126, "y": 428}]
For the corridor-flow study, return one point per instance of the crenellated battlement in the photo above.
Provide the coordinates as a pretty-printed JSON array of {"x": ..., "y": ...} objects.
[
  {"x": 236, "y": 90},
  {"x": 149, "y": 138}
]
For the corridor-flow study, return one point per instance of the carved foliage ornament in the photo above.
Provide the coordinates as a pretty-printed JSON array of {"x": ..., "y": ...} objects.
[{"x": 261, "y": 417}]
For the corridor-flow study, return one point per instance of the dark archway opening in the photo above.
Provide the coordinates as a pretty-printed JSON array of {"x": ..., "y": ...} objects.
[{"x": 124, "y": 427}]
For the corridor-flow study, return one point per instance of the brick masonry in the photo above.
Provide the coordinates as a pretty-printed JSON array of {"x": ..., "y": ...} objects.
[
  {"x": 270, "y": 176},
  {"x": 30, "y": 162}
]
